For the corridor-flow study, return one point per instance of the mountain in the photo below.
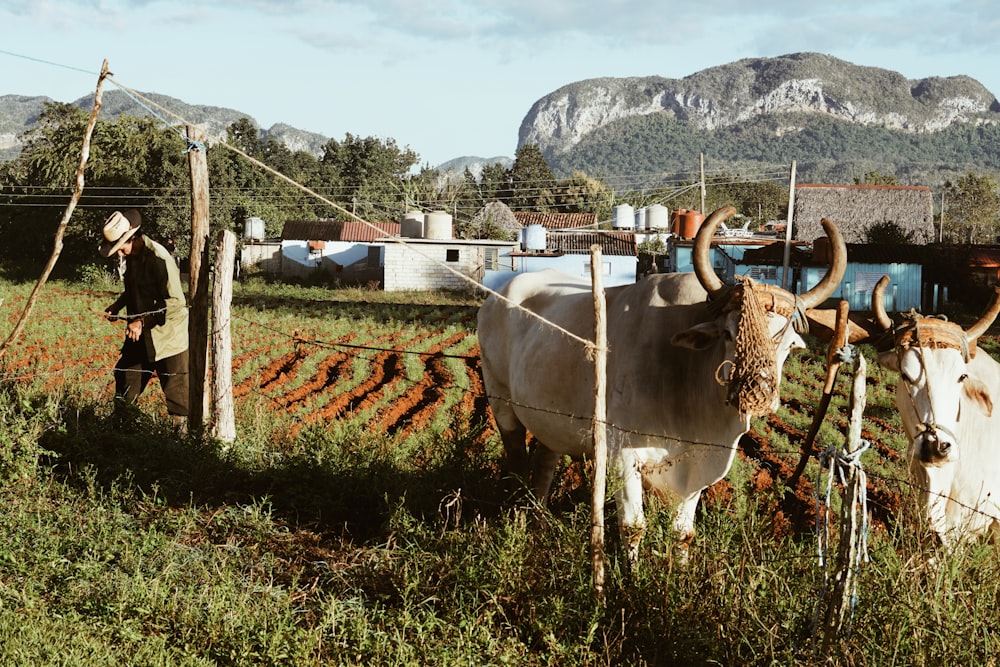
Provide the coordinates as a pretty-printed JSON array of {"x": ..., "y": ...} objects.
[
  {"x": 837, "y": 120},
  {"x": 18, "y": 113},
  {"x": 826, "y": 113}
]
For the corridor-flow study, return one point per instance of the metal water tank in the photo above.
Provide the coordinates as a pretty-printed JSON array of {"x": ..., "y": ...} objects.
[
  {"x": 691, "y": 223},
  {"x": 411, "y": 226},
  {"x": 657, "y": 217},
  {"x": 534, "y": 238},
  {"x": 623, "y": 217},
  {"x": 437, "y": 225},
  {"x": 253, "y": 229}
]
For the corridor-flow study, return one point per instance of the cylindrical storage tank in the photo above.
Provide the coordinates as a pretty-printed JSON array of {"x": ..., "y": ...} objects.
[
  {"x": 412, "y": 225},
  {"x": 640, "y": 218},
  {"x": 253, "y": 229},
  {"x": 675, "y": 219},
  {"x": 623, "y": 217},
  {"x": 534, "y": 238},
  {"x": 437, "y": 225},
  {"x": 657, "y": 217},
  {"x": 690, "y": 223}
]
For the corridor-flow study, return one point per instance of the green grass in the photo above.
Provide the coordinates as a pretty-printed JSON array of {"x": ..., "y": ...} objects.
[{"x": 343, "y": 546}]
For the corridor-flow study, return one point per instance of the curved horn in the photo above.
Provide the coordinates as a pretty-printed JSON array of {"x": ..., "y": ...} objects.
[
  {"x": 838, "y": 265},
  {"x": 980, "y": 327},
  {"x": 878, "y": 304},
  {"x": 702, "y": 244}
]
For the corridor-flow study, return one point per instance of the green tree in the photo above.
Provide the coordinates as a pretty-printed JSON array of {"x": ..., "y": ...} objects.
[
  {"x": 889, "y": 232},
  {"x": 875, "y": 178},
  {"x": 972, "y": 211},
  {"x": 582, "y": 194},
  {"x": 366, "y": 174},
  {"x": 532, "y": 181}
]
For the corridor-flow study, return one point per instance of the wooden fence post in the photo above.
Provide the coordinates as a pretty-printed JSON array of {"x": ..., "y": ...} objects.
[
  {"x": 223, "y": 417},
  {"x": 198, "y": 279},
  {"x": 850, "y": 550},
  {"x": 599, "y": 422}
]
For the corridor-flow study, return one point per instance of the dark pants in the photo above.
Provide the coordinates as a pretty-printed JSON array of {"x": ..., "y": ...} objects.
[{"x": 134, "y": 371}]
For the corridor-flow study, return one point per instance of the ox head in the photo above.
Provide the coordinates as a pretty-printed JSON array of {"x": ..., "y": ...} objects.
[
  {"x": 932, "y": 357},
  {"x": 761, "y": 324}
]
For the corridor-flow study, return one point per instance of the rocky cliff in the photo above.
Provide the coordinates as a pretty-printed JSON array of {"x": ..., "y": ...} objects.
[{"x": 724, "y": 96}]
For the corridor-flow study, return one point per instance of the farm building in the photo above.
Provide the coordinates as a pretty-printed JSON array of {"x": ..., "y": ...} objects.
[
  {"x": 421, "y": 264},
  {"x": 350, "y": 250},
  {"x": 258, "y": 254},
  {"x": 858, "y": 208},
  {"x": 562, "y": 241}
]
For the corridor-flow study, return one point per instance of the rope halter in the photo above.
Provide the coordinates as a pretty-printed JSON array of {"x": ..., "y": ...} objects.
[{"x": 754, "y": 377}]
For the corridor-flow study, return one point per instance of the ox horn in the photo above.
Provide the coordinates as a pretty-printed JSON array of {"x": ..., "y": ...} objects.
[
  {"x": 838, "y": 265},
  {"x": 979, "y": 328},
  {"x": 817, "y": 295},
  {"x": 882, "y": 318},
  {"x": 702, "y": 244}
]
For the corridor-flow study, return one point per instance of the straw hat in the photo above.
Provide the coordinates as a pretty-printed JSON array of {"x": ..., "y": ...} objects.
[{"x": 118, "y": 229}]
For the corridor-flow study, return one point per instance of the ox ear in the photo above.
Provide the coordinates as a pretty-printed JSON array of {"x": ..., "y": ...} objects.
[
  {"x": 889, "y": 360},
  {"x": 977, "y": 392},
  {"x": 699, "y": 337}
]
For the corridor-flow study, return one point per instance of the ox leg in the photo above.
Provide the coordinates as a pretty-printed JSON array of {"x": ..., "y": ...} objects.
[
  {"x": 544, "y": 470},
  {"x": 683, "y": 525},
  {"x": 628, "y": 498}
]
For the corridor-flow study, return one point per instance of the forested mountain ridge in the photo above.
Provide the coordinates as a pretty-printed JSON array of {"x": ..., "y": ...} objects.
[
  {"x": 19, "y": 113},
  {"x": 832, "y": 116}
]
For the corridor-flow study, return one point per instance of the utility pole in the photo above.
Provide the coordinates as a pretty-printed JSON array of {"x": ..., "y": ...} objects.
[{"x": 785, "y": 279}]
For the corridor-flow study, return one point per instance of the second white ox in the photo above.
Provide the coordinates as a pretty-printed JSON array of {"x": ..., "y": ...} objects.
[
  {"x": 687, "y": 355},
  {"x": 945, "y": 400}
]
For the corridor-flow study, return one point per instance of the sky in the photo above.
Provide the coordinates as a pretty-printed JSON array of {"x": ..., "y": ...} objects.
[{"x": 454, "y": 78}]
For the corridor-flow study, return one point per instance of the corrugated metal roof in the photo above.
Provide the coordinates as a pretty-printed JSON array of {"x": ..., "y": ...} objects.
[
  {"x": 359, "y": 231},
  {"x": 556, "y": 220},
  {"x": 612, "y": 243},
  {"x": 337, "y": 230}
]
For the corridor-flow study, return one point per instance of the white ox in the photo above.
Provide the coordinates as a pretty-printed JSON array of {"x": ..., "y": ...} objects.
[
  {"x": 674, "y": 379},
  {"x": 944, "y": 398}
]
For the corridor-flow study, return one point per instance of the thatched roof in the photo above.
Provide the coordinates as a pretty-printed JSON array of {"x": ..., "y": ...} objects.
[
  {"x": 492, "y": 218},
  {"x": 856, "y": 208}
]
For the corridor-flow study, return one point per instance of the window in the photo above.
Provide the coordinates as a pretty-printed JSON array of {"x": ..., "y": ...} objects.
[
  {"x": 374, "y": 256},
  {"x": 451, "y": 255},
  {"x": 491, "y": 258}
]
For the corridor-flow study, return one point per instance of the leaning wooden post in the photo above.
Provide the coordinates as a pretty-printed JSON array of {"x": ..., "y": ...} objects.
[
  {"x": 837, "y": 344},
  {"x": 599, "y": 424},
  {"x": 198, "y": 280},
  {"x": 223, "y": 417},
  {"x": 57, "y": 244}
]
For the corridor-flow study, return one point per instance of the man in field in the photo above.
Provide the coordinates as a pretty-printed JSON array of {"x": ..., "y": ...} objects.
[{"x": 156, "y": 334}]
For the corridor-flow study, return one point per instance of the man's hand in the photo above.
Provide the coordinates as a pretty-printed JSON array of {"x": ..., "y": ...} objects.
[{"x": 134, "y": 330}]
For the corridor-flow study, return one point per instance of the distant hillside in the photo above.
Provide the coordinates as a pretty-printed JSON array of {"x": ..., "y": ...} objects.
[
  {"x": 18, "y": 113},
  {"x": 836, "y": 119}
]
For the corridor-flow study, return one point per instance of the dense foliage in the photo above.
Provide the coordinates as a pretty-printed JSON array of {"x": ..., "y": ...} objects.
[{"x": 827, "y": 150}]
